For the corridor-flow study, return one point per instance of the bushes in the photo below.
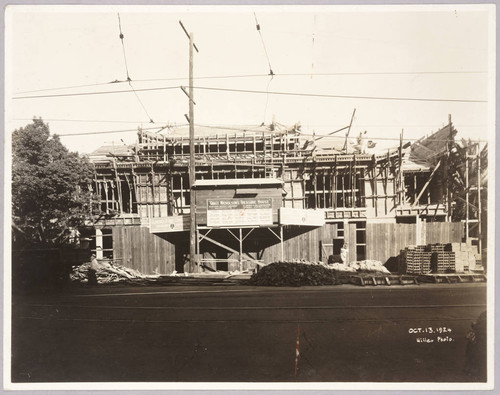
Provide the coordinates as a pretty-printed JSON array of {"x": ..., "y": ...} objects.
[{"x": 292, "y": 274}]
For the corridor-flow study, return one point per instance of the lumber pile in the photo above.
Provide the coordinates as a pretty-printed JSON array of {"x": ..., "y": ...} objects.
[{"x": 107, "y": 273}]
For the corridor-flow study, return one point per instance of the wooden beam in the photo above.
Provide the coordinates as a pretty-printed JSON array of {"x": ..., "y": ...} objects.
[
  {"x": 231, "y": 250},
  {"x": 426, "y": 184},
  {"x": 348, "y": 130}
]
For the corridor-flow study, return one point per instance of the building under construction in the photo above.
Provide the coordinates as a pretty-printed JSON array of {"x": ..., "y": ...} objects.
[{"x": 270, "y": 193}]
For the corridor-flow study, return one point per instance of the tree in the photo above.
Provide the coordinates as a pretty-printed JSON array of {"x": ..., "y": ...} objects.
[{"x": 50, "y": 192}]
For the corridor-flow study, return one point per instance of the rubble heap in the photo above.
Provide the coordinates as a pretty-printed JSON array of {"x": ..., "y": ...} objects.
[
  {"x": 107, "y": 273},
  {"x": 293, "y": 274}
]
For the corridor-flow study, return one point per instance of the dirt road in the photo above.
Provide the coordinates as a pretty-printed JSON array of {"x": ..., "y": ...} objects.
[{"x": 236, "y": 333}]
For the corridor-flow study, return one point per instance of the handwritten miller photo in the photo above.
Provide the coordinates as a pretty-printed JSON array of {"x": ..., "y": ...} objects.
[{"x": 252, "y": 197}]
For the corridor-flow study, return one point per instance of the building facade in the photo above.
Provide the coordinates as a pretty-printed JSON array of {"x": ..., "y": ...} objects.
[{"x": 270, "y": 193}]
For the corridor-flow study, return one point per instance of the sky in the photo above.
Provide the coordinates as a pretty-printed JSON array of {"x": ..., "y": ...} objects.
[{"x": 439, "y": 55}]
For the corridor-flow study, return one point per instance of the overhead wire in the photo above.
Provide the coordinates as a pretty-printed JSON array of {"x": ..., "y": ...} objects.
[
  {"x": 123, "y": 47},
  {"x": 97, "y": 93},
  {"x": 129, "y": 80},
  {"x": 108, "y": 131},
  {"x": 271, "y": 73},
  {"x": 341, "y": 96},
  {"x": 255, "y": 76},
  {"x": 255, "y": 131},
  {"x": 264, "y": 92},
  {"x": 267, "y": 98},
  {"x": 222, "y": 126},
  {"x": 79, "y": 120}
]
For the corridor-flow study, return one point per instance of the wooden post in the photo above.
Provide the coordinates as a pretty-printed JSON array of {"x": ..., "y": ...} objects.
[
  {"x": 192, "y": 164},
  {"x": 348, "y": 130},
  {"x": 401, "y": 189},
  {"x": 118, "y": 189},
  {"x": 315, "y": 183},
  {"x": 478, "y": 199},
  {"x": 353, "y": 181},
  {"x": 164, "y": 149},
  {"x": 466, "y": 196},
  {"x": 447, "y": 175},
  {"x": 241, "y": 250},
  {"x": 334, "y": 195},
  {"x": 107, "y": 199},
  {"x": 282, "y": 246}
]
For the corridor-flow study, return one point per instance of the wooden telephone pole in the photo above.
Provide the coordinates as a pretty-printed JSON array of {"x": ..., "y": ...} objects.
[{"x": 192, "y": 165}]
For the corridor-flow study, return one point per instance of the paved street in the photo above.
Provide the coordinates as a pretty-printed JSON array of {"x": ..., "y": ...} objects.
[{"x": 236, "y": 333}]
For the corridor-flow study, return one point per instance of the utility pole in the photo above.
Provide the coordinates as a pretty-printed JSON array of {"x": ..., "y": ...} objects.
[{"x": 192, "y": 165}]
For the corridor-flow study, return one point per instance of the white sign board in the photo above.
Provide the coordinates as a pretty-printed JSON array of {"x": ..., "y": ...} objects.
[
  {"x": 176, "y": 223},
  {"x": 299, "y": 216},
  {"x": 239, "y": 212}
]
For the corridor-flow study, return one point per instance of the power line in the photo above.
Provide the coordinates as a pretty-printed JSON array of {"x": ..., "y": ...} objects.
[
  {"x": 342, "y": 96},
  {"x": 64, "y": 87},
  {"x": 123, "y": 47},
  {"x": 141, "y": 103},
  {"x": 250, "y": 131},
  {"x": 461, "y": 126},
  {"x": 264, "y": 92},
  {"x": 97, "y": 93},
  {"x": 380, "y": 73},
  {"x": 267, "y": 98},
  {"x": 271, "y": 73},
  {"x": 126, "y": 69},
  {"x": 256, "y": 76},
  {"x": 108, "y": 131},
  {"x": 80, "y": 120},
  {"x": 263, "y": 44},
  {"x": 143, "y": 80}
]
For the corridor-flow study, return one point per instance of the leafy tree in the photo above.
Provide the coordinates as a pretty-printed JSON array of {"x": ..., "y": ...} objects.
[{"x": 50, "y": 190}]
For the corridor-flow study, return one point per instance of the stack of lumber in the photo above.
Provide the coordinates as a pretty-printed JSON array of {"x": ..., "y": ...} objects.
[{"x": 107, "y": 273}]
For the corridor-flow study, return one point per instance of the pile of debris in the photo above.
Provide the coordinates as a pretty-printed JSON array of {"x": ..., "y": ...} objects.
[
  {"x": 294, "y": 274},
  {"x": 108, "y": 273},
  {"x": 366, "y": 266}
]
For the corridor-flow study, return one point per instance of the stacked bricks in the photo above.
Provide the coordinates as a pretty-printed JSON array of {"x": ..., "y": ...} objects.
[
  {"x": 439, "y": 258},
  {"x": 414, "y": 260},
  {"x": 442, "y": 259},
  {"x": 466, "y": 257}
]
